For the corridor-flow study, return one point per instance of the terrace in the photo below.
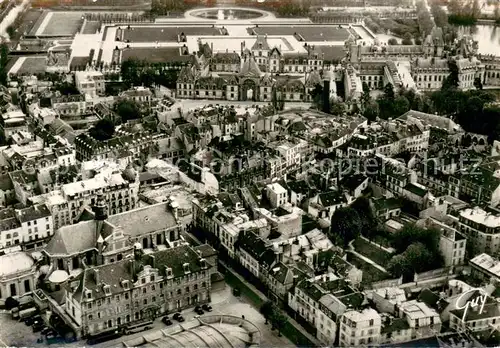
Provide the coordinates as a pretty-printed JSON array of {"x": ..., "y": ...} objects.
[{"x": 164, "y": 34}]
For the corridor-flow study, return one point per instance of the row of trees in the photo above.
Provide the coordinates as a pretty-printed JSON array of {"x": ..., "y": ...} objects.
[
  {"x": 397, "y": 26},
  {"x": 273, "y": 314},
  {"x": 4, "y": 59},
  {"x": 464, "y": 12},
  {"x": 137, "y": 73},
  {"x": 425, "y": 21}
]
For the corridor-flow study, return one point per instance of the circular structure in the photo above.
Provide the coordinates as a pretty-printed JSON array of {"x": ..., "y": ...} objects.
[
  {"x": 14, "y": 263},
  {"x": 227, "y": 14},
  {"x": 58, "y": 277},
  {"x": 213, "y": 331}
]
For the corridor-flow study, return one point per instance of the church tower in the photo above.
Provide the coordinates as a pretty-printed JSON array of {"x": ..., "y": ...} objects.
[{"x": 100, "y": 209}]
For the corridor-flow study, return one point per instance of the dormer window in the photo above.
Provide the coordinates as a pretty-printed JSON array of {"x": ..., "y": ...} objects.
[
  {"x": 88, "y": 294},
  {"x": 186, "y": 268},
  {"x": 126, "y": 284},
  {"x": 107, "y": 290},
  {"x": 203, "y": 263},
  {"x": 169, "y": 273}
]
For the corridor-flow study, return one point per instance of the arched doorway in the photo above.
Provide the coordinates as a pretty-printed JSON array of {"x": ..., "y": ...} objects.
[{"x": 249, "y": 90}]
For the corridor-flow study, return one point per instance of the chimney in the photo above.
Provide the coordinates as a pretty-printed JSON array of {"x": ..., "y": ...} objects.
[
  {"x": 96, "y": 275},
  {"x": 132, "y": 268},
  {"x": 153, "y": 261},
  {"x": 212, "y": 47}
]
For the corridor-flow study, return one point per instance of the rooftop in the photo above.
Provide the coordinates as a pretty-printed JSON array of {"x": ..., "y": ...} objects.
[
  {"x": 16, "y": 262},
  {"x": 488, "y": 263},
  {"x": 481, "y": 217}
]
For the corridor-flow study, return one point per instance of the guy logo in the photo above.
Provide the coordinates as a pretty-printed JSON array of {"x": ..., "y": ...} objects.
[{"x": 479, "y": 301}]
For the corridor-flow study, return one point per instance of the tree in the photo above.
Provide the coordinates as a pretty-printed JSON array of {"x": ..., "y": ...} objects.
[
  {"x": 127, "y": 110},
  {"x": 412, "y": 233},
  {"x": 10, "y": 303},
  {"x": 345, "y": 226},
  {"x": 400, "y": 106},
  {"x": 317, "y": 96},
  {"x": 372, "y": 111},
  {"x": 11, "y": 31},
  {"x": 407, "y": 39},
  {"x": 337, "y": 107},
  {"x": 477, "y": 83},
  {"x": 4, "y": 57},
  {"x": 267, "y": 310},
  {"x": 389, "y": 92},
  {"x": 392, "y": 41},
  {"x": 279, "y": 320},
  {"x": 476, "y": 9},
  {"x": 67, "y": 89},
  {"x": 103, "y": 130},
  {"x": 368, "y": 221}
]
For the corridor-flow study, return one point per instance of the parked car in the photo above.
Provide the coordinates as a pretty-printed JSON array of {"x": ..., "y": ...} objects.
[
  {"x": 166, "y": 320},
  {"x": 31, "y": 320},
  {"x": 38, "y": 326},
  {"x": 178, "y": 317},
  {"x": 53, "y": 337},
  {"x": 46, "y": 330},
  {"x": 206, "y": 307},
  {"x": 198, "y": 310}
]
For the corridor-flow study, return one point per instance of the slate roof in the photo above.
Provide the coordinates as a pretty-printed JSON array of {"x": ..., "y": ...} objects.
[
  {"x": 175, "y": 258},
  {"x": 327, "y": 199},
  {"x": 250, "y": 68},
  {"x": 256, "y": 247},
  {"x": 73, "y": 239},
  {"x": 206, "y": 250},
  {"x": 33, "y": 212},
  {"x": 282, "y": 273},
  {"x": 6, "y": 182},
  {"x": 416, "y": 190},
  {"x": 261, "y": 43},
  {"x": 226, "y": 58},
  {"x": 352, "y": 182}
]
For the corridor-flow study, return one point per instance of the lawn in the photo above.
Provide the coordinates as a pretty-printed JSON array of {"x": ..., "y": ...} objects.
[
  {"x": 371, "y": 274},
  {"x": 164, "y": 34},
  {"x": 63, "y": 24},
  {"x": 329, "y": 33},
  {"x": 35, "y": 21},
  {"x": 155, "y": 55},
  {"x": 372, "y": 252}
]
